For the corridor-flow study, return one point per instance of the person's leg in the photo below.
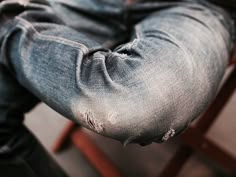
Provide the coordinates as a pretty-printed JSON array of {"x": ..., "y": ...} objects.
[
  {"x": 145, "y": 90},
  {"x": 21, "y": 155}
]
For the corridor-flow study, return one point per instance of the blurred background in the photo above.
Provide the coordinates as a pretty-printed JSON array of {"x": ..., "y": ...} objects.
[{"x": 133, "y": 160}]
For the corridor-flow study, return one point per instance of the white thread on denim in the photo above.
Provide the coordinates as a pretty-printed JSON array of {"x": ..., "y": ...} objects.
[
  {"x": 168, "y": 135},
  {"x": 28, "y": 26},
  {"x": 92, "y": 122}
]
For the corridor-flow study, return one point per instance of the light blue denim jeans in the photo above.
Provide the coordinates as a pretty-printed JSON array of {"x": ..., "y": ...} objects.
[{"x": 137, "y": 73}]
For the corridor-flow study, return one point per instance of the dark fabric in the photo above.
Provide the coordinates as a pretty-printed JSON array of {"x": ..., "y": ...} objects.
[
  {"x": 23, "y": 156},
  {"x": 227, "y": 3}
]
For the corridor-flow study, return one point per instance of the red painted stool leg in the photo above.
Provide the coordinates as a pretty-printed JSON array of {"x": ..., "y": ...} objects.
[
  {"x": 64, "y": 137},
  {"x": 181, "y": 156},
  {"x": 97, "y": 158}
]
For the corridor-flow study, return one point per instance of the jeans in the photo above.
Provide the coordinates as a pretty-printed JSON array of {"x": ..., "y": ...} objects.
[{"x": 138, "y": 73}]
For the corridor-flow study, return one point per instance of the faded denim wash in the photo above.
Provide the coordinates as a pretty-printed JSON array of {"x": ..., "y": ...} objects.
[{"x": 137, "y": 73}]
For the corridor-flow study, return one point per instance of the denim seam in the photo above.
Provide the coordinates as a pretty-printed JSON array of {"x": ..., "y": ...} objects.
[{"x": 28, "y": 26}]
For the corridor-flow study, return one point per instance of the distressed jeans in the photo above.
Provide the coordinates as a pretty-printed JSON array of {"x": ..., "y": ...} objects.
[{"x": 138, "y": 73}]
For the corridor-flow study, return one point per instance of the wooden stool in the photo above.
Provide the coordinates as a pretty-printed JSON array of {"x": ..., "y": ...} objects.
[
  {"x": 193, "y": 139},
  {"x": 97, "y": 158}
]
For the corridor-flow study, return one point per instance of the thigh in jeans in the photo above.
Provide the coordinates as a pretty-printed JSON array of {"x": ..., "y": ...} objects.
[
  {"x": 63, "y": 19},
  {"x": 148, "y": 89},
  {"x": 21, "y": 154}
]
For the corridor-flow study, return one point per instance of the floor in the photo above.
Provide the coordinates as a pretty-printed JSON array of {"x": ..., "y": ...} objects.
[{"x": 133, "y": 160}]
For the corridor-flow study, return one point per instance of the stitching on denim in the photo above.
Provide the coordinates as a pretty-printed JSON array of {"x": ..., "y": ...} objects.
[
  {"x": 170, "y": 133},
  {"x": 28, "y": 26}
]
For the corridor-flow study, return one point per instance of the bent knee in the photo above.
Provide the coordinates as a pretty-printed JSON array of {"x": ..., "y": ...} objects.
[
  {"x": 155, "y": 102},
  {"x": 138, "y": 116}
]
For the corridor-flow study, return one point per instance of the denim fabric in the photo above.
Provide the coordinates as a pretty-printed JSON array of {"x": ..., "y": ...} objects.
[
  {"x": 137, "y": 73},
  {"x": 164, "y": 73}
]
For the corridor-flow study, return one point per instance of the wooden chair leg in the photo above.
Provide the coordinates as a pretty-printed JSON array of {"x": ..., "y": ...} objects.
[
  {"x": 177, "y": 162},
  {"x": 217, "y": 106},
  {"x": 203, "y": 145},
  {"x": 95, "y": 156},
  {"x": 181, "y": 156},
  {"x": 64, "y": 137}
]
